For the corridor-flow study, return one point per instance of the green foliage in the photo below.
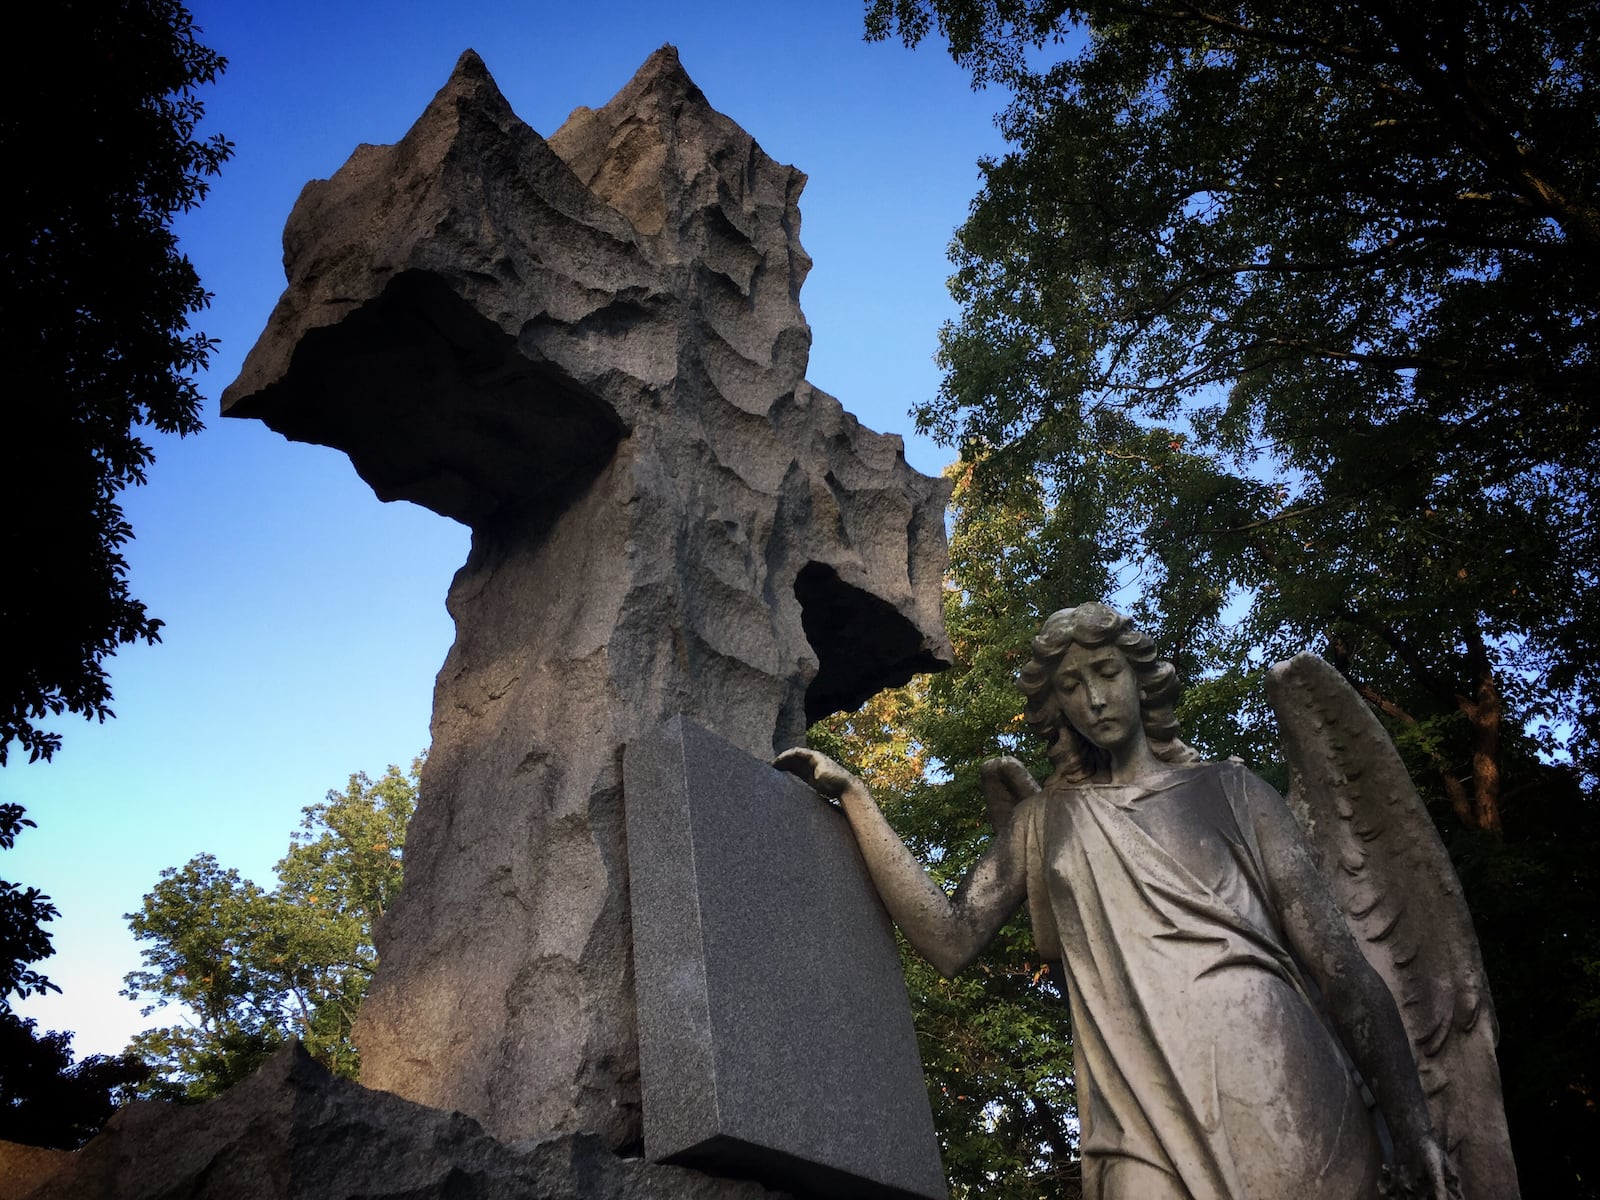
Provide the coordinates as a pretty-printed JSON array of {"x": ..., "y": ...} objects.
[
  {"x": 251, "y": 967},
  {"x": 1287, "y": 311},
  {"x": 23, "y": 914},
  {"x": 1312, "y": 289},
  {"x": 47, "y": 1099},
  {"x": 97, "y": 130},
  {"x": 1535, "y": 899},
  {"x": 997, "y": 1056},
  {"x": 202, "y": 926}
]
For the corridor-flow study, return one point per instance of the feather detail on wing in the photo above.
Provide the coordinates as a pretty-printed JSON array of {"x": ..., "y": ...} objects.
[{"x": 1377, "y": 848}]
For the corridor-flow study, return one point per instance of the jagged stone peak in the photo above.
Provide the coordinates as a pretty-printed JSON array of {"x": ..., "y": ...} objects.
[
  {"x": 470, "y": 88},
  {"x": 658, "y": 147},
  {"x": 470, "y": 65},
  {"x": 620, "y": 150},
  {"x": 662, "y": 77}
]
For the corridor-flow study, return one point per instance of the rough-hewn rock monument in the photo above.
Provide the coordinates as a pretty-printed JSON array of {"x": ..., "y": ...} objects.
[{"x": 590, "y": 349}]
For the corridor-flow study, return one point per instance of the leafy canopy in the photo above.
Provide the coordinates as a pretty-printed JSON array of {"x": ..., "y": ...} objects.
[
  {"x": 1280, "y": 316},
  {"x": 47, "y": 1098},
  {"x": 23, "y": 915},
  {"x": 251, "y": 968},
  {"x": 98, "y": 131},
  {"x": 1325, "y": 275}
]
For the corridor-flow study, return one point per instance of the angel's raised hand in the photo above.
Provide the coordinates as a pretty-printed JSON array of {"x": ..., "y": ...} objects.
[
  {"x": 1006, "y": 784},
  {"x": 820, "y": 772}
]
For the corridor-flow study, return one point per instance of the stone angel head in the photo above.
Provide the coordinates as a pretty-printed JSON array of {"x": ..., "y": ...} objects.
[{"x": 1076, "y": 753}]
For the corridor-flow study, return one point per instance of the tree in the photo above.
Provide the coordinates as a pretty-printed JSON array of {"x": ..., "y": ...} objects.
[
  {"x": 1304, "y": 298},
  {"x": 23, "y": 915},
  {"x": 1328, "y": 274},
  {"x": 46, "y": 1099},
  {"x": 97, "y": 130},
  {"x": 253, "y": 968}
]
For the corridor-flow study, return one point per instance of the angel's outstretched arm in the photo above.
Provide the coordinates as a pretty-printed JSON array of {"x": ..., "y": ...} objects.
[
  {"x": 949, "y": 932},
  {"x": 1357, "y": 999}
]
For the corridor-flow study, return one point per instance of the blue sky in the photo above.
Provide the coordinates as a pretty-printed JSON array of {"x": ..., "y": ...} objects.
[{"x": 305, "y": 620}]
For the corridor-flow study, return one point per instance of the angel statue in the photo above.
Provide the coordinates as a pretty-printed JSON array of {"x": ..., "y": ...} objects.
[{"x": 1233, "y": 1007}]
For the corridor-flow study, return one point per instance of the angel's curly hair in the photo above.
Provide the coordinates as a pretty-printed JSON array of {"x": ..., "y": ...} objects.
[{"x": 1077, "y": 759}]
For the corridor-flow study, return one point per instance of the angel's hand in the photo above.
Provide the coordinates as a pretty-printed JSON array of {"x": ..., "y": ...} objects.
[
  {"x": 1006, "y": 784},
  {"x": 818, "y": 771},
  {"x": 1008, "y": 777}
]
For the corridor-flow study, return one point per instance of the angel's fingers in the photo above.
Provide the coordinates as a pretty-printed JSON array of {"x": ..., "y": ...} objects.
[
  {"x": 798, "y": 761},
  {"x": 1009, "y": 774},
  {"x": 820, "y": 772}
]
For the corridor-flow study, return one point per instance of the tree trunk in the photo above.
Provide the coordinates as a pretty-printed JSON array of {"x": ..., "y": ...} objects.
[{"x": 1485, "y": 710}]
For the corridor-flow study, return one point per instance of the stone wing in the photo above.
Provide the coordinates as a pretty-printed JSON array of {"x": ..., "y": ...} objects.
[{"x": 1377, "y": 848}]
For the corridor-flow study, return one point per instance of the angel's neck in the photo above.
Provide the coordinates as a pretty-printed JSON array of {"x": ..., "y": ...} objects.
[{"x": 1136, "y": 763}]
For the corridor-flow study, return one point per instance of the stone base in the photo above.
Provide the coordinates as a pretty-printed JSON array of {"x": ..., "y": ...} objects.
[
  {"x": 23, "y": 1168},
  {"x": 294, "y": 1132}
]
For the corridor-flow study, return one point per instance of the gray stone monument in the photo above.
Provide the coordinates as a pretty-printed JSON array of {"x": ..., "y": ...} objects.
[
  {"x": 758, "y": 940},
  {"x": 590, "y": 349}
]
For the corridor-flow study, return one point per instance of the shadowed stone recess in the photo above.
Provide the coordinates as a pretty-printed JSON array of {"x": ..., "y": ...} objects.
[
  {"x": 775, "y": 1039},
  {"x": 591, "y": 350}
]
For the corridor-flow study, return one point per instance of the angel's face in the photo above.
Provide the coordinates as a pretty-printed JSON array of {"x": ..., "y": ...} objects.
[{"x": 1099, "y": 694}]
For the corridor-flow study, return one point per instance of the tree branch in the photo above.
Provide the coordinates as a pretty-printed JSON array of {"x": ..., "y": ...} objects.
[
  {"x": 1451, "y": 94},
  {"x": 1336, "y": 52},
  {"x": 1440, "y": 689}
]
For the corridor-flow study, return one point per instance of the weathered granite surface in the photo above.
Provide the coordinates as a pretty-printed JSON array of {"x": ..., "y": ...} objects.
[
  {"x": 775, "y": 1039},
  {"x": 591, "y": 350},
  {"x": 294, "y": 1132},
  {"x": 23, "y": 1168}
]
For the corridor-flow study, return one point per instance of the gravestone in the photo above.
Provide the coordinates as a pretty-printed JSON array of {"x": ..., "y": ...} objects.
[
  {"x": 589, "y": 349},
  {"x": 775, "y": 1038}
]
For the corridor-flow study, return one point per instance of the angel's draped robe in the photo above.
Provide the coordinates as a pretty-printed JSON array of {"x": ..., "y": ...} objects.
[{"x": 1204, "y": 1067}]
